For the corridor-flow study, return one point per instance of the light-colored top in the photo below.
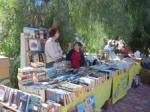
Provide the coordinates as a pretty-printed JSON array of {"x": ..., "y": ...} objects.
[
  {"x": 109, "y": 48},
  {"x": 53, "y": 50}
]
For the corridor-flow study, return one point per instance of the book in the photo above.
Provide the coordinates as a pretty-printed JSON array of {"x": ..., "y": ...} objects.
[
  {"x": 34, "y": 103},
  {"x": 15, "y": 99},
  {"x": 37, "y": 34},
  {"x": 53, "y": 107},
  {"x": 8, "y": 96},
  {"x": 81, "y": 107},
  {"x": 2, "y": 92},
  {"x": 26, "y": 70},
  {"x": 23, "y": 102},
  {"x": 88, "y": 106},
  {"x": 50, "y": 94},
  {"x": 44, "y": 107},
  {"x": 25, "y": 77},
  {"x": 35, "y": 45},
  {"x": 92, "y": 100},
  {"x": 37, "y": 64},
  {"x": 29, "y": 32}
]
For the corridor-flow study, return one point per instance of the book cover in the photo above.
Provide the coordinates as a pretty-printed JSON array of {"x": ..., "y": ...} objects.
[
  {"x": 2, "y": 92},
  {"x": 43, "y": 42},
  {"x": 45, "y": 32},
  {"x": 29, "y": 32},
  {"x": 81, "y": 107},
  {"x": 88, "y": 106},
  {"x": 23, "y": 102},
  {"x": 15, "y": 99},
  {"x": 92, "y": 100},
  {"x": 8, "y": 96},
  {"x": 50, "y": 94},
  {"x": 35, "y": 45},
  {"x": 37, "y": 34},
  {"x": 34, "y": 103},
  {"x": 53, "y": 107},
  {"x": 44, "y": 107}
]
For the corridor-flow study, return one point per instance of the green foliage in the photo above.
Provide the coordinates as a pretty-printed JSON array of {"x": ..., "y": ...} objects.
[{"x": 95, "y": 21}]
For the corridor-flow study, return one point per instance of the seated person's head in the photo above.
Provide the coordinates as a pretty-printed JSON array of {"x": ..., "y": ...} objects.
[
  {"x": 109, "y": 42},
  {"x": 77, "y": 46}
]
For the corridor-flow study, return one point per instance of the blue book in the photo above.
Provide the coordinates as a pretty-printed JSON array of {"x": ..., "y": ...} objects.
[
  {"x": 34, "y": 103},
  {"x": 81, "y": 107},
  {"x": 92, "y": 100}
]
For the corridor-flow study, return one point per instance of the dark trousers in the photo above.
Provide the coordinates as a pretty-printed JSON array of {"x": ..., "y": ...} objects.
[{"x": 49, "y": 65}]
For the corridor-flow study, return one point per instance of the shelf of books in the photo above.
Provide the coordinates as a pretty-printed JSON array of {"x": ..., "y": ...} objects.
[{"x": 32, "y": 45}]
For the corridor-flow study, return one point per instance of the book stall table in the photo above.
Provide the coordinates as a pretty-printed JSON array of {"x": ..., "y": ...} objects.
[
  {"x": 122, "y": 81},
  {"x": 101, "y": 94},
  {"x": 114, "y": 86}
]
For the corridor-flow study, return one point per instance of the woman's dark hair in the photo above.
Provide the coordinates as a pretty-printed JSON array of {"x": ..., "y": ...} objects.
[
  {"x": 52, "y": 31},
  {"x": 79, "y": 44}
]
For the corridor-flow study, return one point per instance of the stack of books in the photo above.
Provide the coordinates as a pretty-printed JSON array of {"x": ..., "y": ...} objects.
[
  {"x": 25, "y": 76},
  {"x": 40, "y": 74}
]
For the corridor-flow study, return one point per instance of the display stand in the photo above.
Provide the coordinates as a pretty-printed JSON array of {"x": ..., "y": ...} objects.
[{"x": 25, "y": 51}]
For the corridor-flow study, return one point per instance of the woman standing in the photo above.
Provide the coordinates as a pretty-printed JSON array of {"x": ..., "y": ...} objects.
[
  {"x": 76, "y": 56},
  {"x": 53, "y": 51}
]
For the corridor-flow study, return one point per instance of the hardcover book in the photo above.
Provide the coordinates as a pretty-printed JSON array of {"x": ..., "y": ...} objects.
[
  {"x": 2, "y": 92},
  {"x": 34, "y": 103}
]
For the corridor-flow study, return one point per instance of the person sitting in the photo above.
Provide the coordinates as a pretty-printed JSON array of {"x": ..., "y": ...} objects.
[
  {"x": 124, "y": 51},
  {"x": 76, "y": 56},
  {"x": 109, "y": 47}
]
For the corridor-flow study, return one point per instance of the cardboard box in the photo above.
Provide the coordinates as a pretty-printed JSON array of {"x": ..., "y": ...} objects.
[
  {"x": 145, "y": 79},
  {"x": 5, "y": 81},
  {"x": 107, "y": 104},
  {"x": 4, "y": 67}
]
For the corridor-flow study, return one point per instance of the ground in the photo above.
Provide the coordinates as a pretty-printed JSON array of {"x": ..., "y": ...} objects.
[{"x": 136, "y": 100}]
